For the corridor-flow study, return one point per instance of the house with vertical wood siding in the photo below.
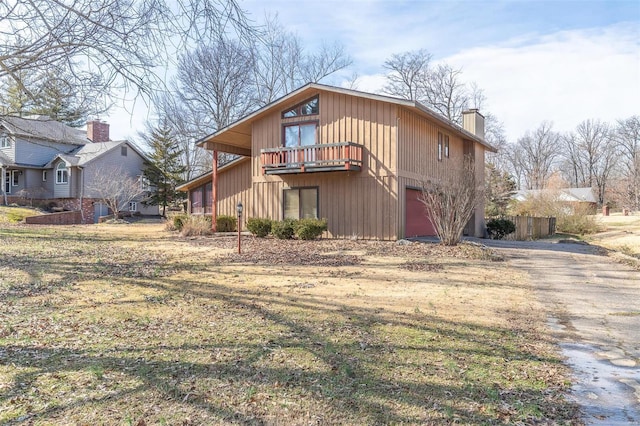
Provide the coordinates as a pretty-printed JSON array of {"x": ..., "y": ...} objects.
[
  {"x": 354, "y": 158},
  {"x": 46, "y": 162}
]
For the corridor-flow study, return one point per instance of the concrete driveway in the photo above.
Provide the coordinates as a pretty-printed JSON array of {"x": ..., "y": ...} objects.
[{"x": 593, "y": 306}]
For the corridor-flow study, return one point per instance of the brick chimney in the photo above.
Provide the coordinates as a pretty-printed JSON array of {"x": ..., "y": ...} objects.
[
  {"x": 98, "y": 131},
  {"x": 473, "y": 122}
]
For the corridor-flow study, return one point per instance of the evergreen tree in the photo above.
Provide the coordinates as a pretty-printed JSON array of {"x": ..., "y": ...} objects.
[
  {"x": 58, "y": 100},
  {"x": 15, "y": 97},
  {"x": 499, "y": 188},
  {"x": 164, "y": 171}
]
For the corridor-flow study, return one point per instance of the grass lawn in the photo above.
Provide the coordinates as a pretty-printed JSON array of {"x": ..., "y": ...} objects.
[
  {"x": 132, "y": 325},
  {"x": 621, "y": 233},
  {"x": 10, "y": 214}
]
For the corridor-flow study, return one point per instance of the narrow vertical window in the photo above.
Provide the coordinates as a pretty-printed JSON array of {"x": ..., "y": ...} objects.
[
  {"x": 446, "y": 146},
  {"x": 15, "y": 178},
  {"x": 123, "y": 151},
  {"x": 44, "y": 175},
  {"x": 440, "y": 138}
]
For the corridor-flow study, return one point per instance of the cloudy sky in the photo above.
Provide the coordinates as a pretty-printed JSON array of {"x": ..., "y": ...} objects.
[{"x": 561, "y": 60}]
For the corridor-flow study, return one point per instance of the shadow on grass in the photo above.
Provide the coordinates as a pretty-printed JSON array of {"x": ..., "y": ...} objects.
[{"x": 366, "y": 365}]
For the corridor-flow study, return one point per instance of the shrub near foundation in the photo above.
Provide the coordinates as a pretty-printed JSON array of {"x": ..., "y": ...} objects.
[
  {"x": 284, "y": 230},
  {"x": 260, "y": 227},
  {"x": 226, "y": 223},
  {"x": 310, "y": 229},
  {"x": 196, "y": 226}
]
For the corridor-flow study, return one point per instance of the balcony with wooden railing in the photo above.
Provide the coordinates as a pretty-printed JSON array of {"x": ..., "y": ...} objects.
[{"x": 331, "y": 157}]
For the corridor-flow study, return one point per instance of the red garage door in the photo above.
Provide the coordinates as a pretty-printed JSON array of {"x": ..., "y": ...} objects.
[{"x": 417, "y": 222}]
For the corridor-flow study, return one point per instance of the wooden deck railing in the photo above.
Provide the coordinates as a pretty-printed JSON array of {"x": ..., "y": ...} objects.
[{"x": 312, "y": 158}]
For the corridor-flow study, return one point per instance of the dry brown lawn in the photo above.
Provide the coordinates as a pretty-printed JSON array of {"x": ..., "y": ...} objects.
[{"x": 133, "y": 325}]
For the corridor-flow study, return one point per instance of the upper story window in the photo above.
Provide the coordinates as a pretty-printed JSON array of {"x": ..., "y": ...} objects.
[
  {"x": 4, "y": 140},
  {"x": 308, "y": 107},
  {"x": 300, "y": 134},
  {"x": 62, "y": 173},
  {"x": 443, "y": 146},
  {"x": 123, "y": 151}
]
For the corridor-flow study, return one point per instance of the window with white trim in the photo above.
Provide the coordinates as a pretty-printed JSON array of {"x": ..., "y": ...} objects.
[
  {"x": 15, "y": 177},
  {"x": 44, "y": 175},
  {"x": 62, "y": 174},
  {"x": 133, "y": 206},
  {"x": 4, "y": 140}
]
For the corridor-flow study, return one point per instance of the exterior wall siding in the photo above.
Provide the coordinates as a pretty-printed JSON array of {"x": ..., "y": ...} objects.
[
  {"x": 62, "y": 190},
  {"x": 342, "y": 118},
  {"x": 358, "y": 206},
  {"x": 234, "y": 185},
  {"x": 131, "y": 164},
  {"x": 363, "y": 204},
  {"x": 39, "y": 153}
]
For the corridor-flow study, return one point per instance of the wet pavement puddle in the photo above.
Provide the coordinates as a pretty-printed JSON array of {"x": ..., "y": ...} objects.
[{"x": 606, "y": 385}]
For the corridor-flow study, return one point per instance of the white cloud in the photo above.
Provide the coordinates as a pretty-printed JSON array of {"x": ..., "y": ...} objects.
[{"x": 565, "y": 77}]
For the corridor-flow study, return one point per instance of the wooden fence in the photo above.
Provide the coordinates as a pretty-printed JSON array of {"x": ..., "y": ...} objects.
[{"x": 531, "y": 228}]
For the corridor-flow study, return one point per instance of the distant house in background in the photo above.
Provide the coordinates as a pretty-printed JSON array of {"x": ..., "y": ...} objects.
[
  {"x": 45, "y": 161},
  {"x": 572, "y": 197},
  {"x": 355, "y": 158}
]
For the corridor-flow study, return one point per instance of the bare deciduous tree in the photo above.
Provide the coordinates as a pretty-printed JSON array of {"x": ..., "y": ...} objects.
[
  {"x": 106, "y": 45},
  {"x": 214, "y": 83},
  {"x": 439, "y": 87},
  {"x": 592, "y": 155},
  {"x": 114, "y": 187},
  {"x": 408, "y": 74},
  {"x": 627, "y": 135},
  {"x": 451, "y": 202},
  {"x": 446, "y": 93},
  {"x": 536, "y": 154}
]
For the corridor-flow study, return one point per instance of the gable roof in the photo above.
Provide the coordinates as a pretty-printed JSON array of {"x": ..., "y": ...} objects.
[
  {"x": 41, "y": 127},
  {"x": 91, "y": 151},
  {"x": 236, "y": 137}
]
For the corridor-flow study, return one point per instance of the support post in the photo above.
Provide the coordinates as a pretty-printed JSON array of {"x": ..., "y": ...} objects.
[{"x": 214, "y": 192}]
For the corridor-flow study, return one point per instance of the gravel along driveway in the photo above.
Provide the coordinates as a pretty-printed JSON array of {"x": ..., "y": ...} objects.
[{"x": 593, "y": 307}]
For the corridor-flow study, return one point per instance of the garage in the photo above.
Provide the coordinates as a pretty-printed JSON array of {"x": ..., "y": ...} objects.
[{"x": 417, "y": 223}]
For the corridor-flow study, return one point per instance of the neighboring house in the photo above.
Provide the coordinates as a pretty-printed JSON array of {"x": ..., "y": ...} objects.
[
  {"x": 46, "y": 161},
  {"x": 355, "y": 158},
  {"x": 572, "y": 197}
]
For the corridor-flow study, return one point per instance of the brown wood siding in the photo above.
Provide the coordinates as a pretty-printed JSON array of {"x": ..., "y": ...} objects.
[
  {"x": 362, "y": 204},
  {"x": 354, "y": 205},
  {"x": 342, "y": 118},
  {"x": 418, "y": 151},
  {"x": 234, "y": 185}
]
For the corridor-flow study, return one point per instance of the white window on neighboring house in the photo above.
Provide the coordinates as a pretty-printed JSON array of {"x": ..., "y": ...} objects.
[
  {"x": 133, "y": 206},
  {"x": 144, "y": 183},
  {"x": 62, "y": 174},
  {"x": 44, "y": 175},
  {"x": 4, "y": 140}
]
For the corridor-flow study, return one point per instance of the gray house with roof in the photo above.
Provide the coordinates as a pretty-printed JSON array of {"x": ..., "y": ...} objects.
[{"x": 46, "y": 161}]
